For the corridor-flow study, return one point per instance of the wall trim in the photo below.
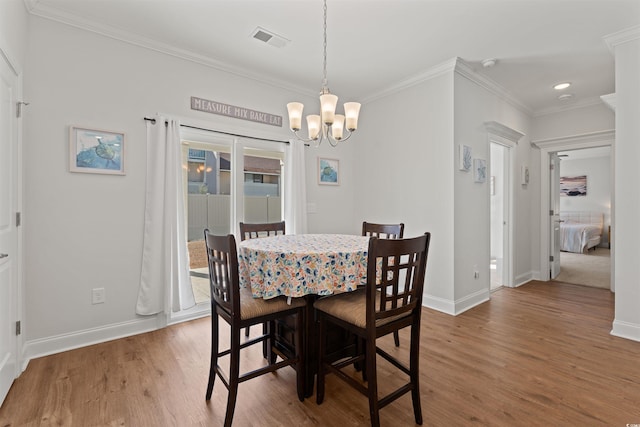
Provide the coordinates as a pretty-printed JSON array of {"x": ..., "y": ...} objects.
[
  {"x": 472, "y": 300},
  {"x": 433, "y": 72},
  {"x": 439, "y": 304},
  {"x": 620, "y": 37},
  {"x": 44, "y": 11},
  {"x": 523, "y": 279},
  {"x": 630, "y": 331},
  {"x": 465, "y": 70}
]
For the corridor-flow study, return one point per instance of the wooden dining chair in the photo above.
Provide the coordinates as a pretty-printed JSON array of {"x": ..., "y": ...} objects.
[
  {"x": 391, "y": 300},
  {"x": 239, "y": 309},
  {"x": 385, "y": 231},
  {"x": 254, "y": 231}
]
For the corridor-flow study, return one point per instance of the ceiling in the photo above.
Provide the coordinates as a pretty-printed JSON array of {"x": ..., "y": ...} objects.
[{"x": 374, "y": 45}]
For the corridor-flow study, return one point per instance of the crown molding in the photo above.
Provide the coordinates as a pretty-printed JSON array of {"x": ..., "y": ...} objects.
[
  {"x": 35, "y": 8},
  {"x": 609, "y": 100},
  {"x": 593, "y": 139},
  {"x": 620, "y": 37},
  {"x": 490, "y": 85},
  {"x": 587, "y": 102},
  {"x": 459, "y": 66},
  {"x": 503, "y": 131},
  {"x": 433, "y": 72}
]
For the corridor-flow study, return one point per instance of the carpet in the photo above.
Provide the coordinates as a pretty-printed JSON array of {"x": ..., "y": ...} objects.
[{"x": 593, "y": 269}]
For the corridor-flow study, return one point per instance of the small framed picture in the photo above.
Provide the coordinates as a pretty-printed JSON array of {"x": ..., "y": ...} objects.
[
  {"x": 464, "y": 158},
  {"x": 328, "y": 171},
  {"x": 479, "y": 170},
  {"x": 524, "y": 179},
  {"x": 96, "y": 151}
]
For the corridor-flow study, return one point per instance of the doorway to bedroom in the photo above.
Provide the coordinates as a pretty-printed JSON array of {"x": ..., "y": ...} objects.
[{"x": 583, "y": 187}]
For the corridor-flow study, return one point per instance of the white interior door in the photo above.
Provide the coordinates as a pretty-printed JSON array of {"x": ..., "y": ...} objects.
[
  {"x": 554, "y": 212},
  {"x": 8, "y": 230}
]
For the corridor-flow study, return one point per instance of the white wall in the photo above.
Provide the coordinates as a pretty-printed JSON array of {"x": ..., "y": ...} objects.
[
  {"x": 84, "y": 231},
  {"x": 598, "y": 198},
  {"x": 404, "y": 173},
  {"x": 474, "y": 106},
  {"x": 409, "y": 173},
  {"x": 13, "y": 30},
  {"x": 577, "y": 121},
  {"x": 627, "y": 175}
]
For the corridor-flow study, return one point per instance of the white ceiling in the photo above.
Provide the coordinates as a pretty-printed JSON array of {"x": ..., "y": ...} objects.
[{"x": 376, "y": 44}]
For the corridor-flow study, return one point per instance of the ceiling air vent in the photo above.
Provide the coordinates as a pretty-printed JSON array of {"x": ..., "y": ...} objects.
[{"x": 269, "y": 37}]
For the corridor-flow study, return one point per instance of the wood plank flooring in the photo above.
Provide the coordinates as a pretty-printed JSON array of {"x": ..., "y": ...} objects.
[{"x": 537, "y": 355}]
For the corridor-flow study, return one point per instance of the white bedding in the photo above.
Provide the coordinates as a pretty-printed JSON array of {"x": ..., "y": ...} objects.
[{"x": 580, "y": 231}]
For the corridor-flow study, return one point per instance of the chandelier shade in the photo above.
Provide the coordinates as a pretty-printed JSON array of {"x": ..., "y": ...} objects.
[{"x": 327, "y": 125}]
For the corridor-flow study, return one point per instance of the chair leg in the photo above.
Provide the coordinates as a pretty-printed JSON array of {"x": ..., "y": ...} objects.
[
  {"x": 266, "y": 345},
  {"x": 234, "y": 374},
  {"x": 372, "y": 388},
  {"x": 321, "y": 344},
  {"x": 270, "y": 328},
  {"x": 300, "y": 355},
  {"x": 214, "y": 353},
  {"x": 414, "y": 363},
  {"x": 396, "y": 338}
]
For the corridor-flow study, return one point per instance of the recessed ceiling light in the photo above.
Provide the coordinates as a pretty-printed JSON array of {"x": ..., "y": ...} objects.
[
  {"x": 565, "y": 96},
  {"x": 561, "y": 86}
]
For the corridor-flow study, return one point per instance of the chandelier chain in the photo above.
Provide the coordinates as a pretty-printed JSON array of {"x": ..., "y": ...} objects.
[{"x": 324, "y": 75}]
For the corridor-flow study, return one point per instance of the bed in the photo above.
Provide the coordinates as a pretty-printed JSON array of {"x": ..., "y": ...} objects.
[{"x": 580, "y": 230}]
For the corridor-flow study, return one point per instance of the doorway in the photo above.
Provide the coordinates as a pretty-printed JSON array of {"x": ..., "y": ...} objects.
[
  {"x": 581, "y": 193},
  {"x": 499, "y": 185}
]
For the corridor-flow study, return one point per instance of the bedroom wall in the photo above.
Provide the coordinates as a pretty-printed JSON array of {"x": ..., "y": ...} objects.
[
  {"x": 598, "y": 198},
  {"x": 84, "y": 231}
]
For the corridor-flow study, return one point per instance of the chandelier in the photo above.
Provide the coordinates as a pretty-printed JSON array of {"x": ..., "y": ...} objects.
[{"x": 328, "y": 125}]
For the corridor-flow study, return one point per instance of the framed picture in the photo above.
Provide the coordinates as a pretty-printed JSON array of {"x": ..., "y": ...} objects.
[
  {"x": 96, "y": 151},
  {"x": 572, "y": 186},
  {"x": 524, "y": 179},
  {"x": 479, "y": 170},
  {"x": 328, "y": 171},
  {"x": 464, "y": 160}
]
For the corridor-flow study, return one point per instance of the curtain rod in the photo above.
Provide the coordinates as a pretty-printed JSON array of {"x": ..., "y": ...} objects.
[{"x": 218, "y": 131}]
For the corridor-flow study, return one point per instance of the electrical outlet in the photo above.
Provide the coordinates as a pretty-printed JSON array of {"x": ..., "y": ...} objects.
[
  {"x": 98, "y": 296},
  {"x": 476, "y": 274}
]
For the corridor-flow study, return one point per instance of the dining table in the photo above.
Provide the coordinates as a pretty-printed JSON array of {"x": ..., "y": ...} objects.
[{"x": 306, "y": 266}]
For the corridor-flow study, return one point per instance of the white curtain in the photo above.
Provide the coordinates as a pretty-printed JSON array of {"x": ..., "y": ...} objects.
[
  {"x": 164, "y": 281},
  {"x": 295, "y": 201}
]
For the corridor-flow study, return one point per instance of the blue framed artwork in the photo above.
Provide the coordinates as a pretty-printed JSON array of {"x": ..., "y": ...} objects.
[
  {"x": 328, "y": 171},
  {"x": 96, "y": 151}
]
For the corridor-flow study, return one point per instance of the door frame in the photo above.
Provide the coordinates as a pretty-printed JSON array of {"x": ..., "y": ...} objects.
[
  {"x": 508, "y": 209},
  {"x": 18, "y": 282},
  {"x": 572, "y": 142}
]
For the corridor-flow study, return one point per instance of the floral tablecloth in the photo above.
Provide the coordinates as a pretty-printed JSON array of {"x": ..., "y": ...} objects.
[{"x": 297, "y": 265}]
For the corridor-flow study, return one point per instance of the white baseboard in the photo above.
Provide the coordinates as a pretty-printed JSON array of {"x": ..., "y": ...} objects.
[
  {"x": 456, "y": 307},
  {"x": 521, "y": 279},
  {"x": 56, "y": 344},
  {"x": 630, "y": 331}
]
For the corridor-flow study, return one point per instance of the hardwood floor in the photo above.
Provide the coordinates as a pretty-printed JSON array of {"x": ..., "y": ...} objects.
[{"x": 537, "y": 355}]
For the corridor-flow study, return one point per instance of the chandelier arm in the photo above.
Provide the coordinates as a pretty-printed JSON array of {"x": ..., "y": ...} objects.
[{"x": 295, "y": 132}]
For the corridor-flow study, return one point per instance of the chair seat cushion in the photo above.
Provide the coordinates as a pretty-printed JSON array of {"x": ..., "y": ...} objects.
[
  {"x": 352, "y": 308},
  {"x": 251, "y": 307}
]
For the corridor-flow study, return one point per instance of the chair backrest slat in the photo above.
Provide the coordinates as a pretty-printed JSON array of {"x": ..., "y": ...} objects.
[
  {"x": 383, "y": 231},
  {"x": 223, "y": 272},
  {"x": 395, "y": 275},
  {"x": 253, "y": 231}
]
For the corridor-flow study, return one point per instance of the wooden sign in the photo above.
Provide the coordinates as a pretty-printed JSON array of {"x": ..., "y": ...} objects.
[{"x": 214, "y": 107}]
